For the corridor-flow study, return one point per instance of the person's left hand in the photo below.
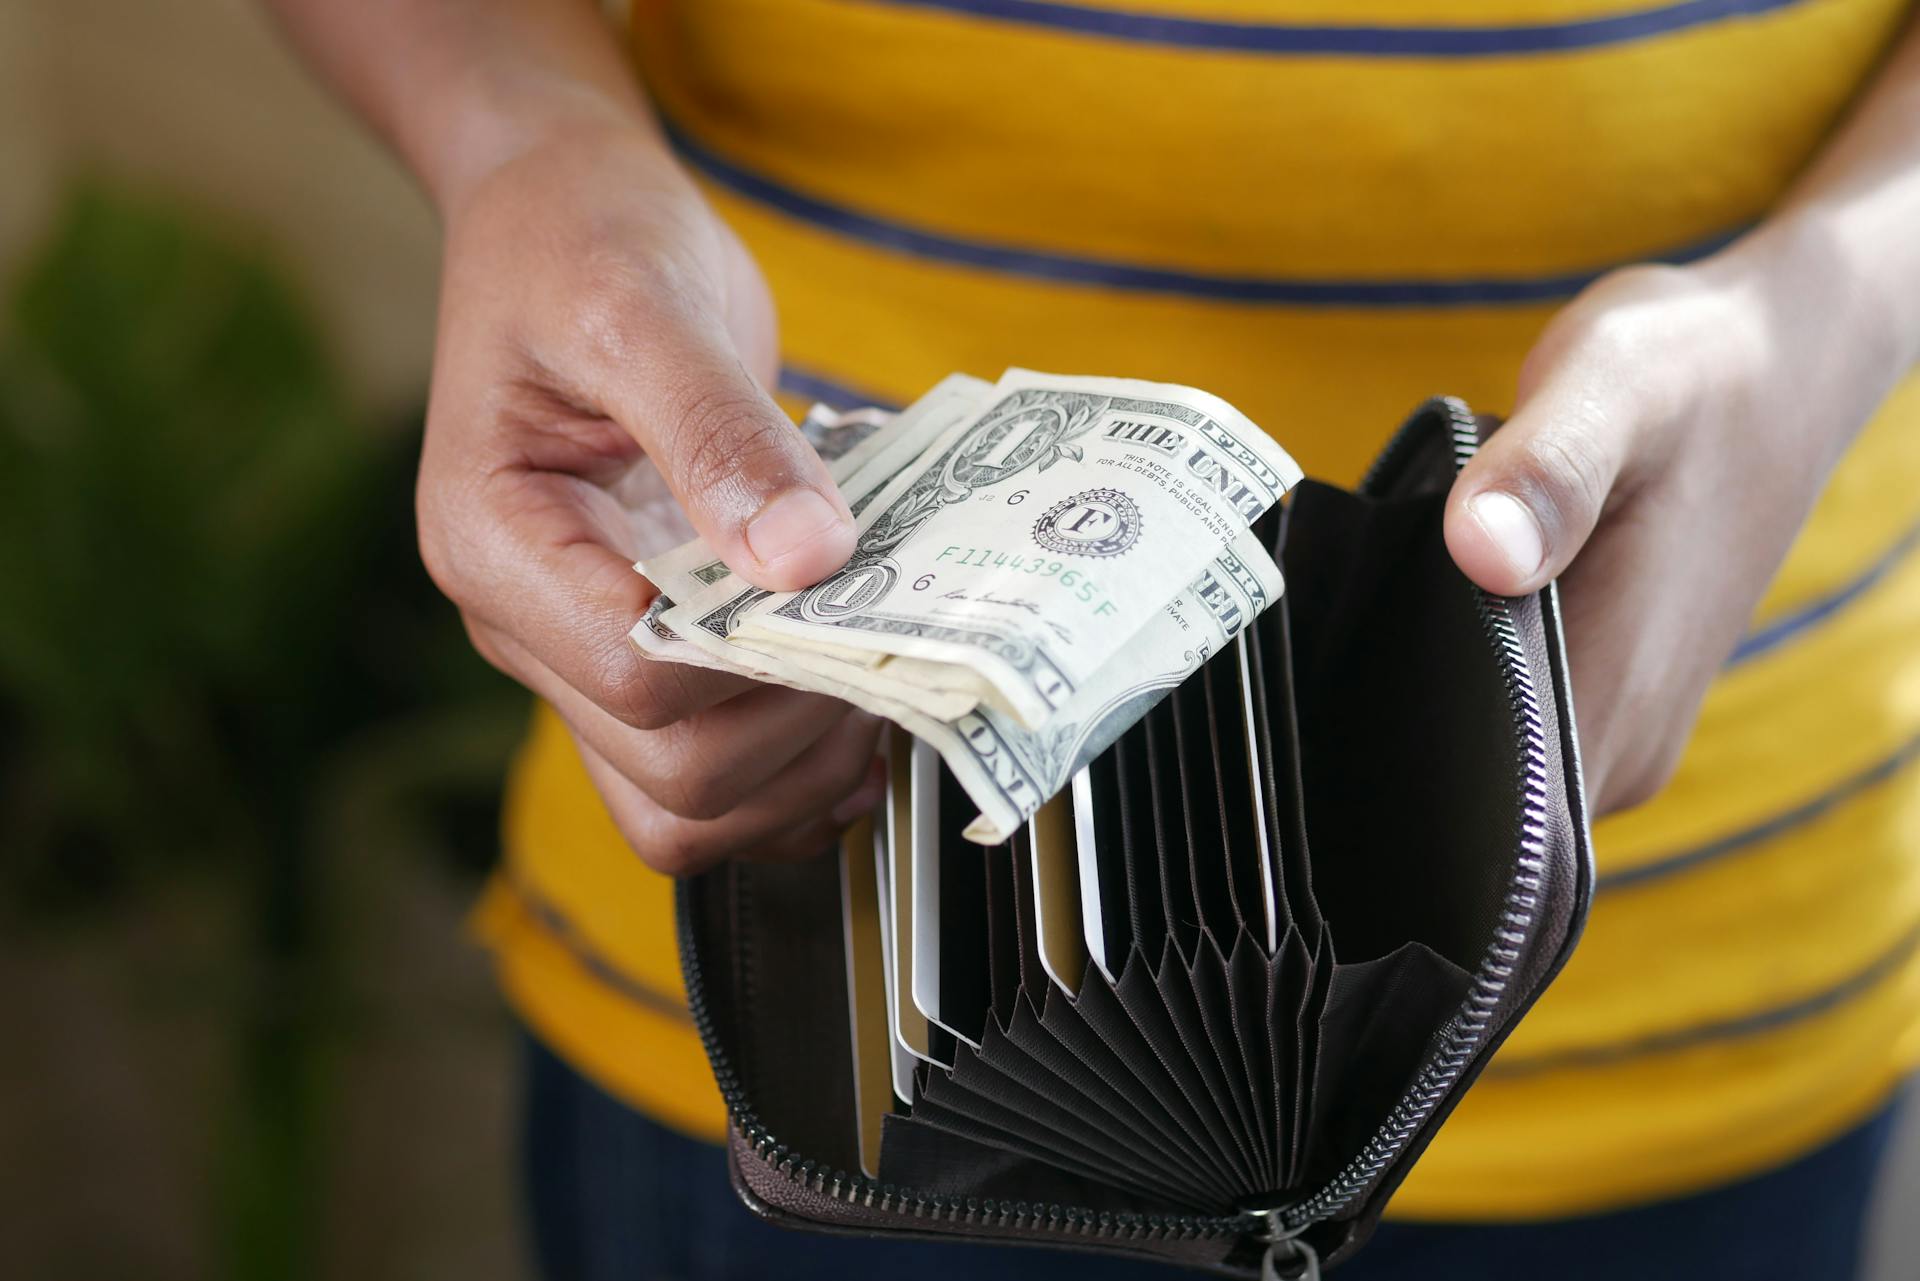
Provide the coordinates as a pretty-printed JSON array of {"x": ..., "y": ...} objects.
[{"x": 1673, "y": 428}]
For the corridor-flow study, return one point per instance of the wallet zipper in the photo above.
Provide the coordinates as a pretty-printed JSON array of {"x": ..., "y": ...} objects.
[
  {"x": 1514, "y": 931},
  {"x": 862, "y": 1192},
  {"x": 1517, "y": 917},
  {"x": 1279, "y": 1228}
]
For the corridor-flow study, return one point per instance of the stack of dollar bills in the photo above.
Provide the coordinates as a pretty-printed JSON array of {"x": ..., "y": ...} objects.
[{"x": 1039, "y": 561}]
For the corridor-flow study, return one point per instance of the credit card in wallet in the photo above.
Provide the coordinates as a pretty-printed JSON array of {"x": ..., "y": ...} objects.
[
  {"x": 1105, "y": 925},
  {"x": 910, "y": 1027},
  {"x": 1257, "y": 799},
  {"x": 901, "y": 1060},
  {"x": 950, "y": 961},
  {"x": 1249, "y": 867},
  {"x": 1059, "y": 932},
  {"x": 873, "y": 1085}
]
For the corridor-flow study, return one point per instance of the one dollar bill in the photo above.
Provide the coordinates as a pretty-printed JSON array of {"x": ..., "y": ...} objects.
[
  {"x": 1017, "y": 554},
  {"x": 1038, "y": 562}
]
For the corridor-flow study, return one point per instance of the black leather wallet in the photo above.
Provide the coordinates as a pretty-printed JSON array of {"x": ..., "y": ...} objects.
[{"x": 1245, "y": 1090}]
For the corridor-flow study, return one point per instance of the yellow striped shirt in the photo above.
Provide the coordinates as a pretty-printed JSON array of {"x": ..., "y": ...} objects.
[{"x": 1326, "y": 210}]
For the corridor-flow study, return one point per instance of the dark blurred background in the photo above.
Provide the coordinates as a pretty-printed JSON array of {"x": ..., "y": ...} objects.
[{"x": 249, "y": 769}]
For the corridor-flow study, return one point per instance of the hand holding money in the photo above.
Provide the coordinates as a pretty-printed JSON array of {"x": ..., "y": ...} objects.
[
  {"x": 1038, "y": 561},
  {"x": 629, "y": 353}
]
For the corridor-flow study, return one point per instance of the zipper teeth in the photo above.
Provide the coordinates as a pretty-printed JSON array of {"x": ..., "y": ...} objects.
[
  {"x": 864, "y": 1192},
  {"x": 1436, "y": 1079},
  {"x": 1517, "y": 917}
]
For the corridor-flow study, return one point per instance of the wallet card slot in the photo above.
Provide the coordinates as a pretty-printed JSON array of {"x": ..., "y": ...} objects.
[
  {"x": 1244, "y": 839},
  {"x": 1200, "y": 803},
  {"x": 1146, "y": 904},
  {"x": 983, "y": 1094},
  {"x": 1108, "y": 921},
  {"x": 1213, "y": 997},
  {"x": 1248, "y": 1003},
  {"x": 1033, "y": 1053},
  {"x": 1107, "y": 1014},
  {"x": 1297, "y": 976},
  {"x": 874, "y": 1057},
  {"x": 1043, "y": 995},
  {"x": 1003, "y": 927},
  {"x": 1277, "y": 732},
  {"x": 1038, "y": 1098},
  {"x": 1050, "y": 844},
  {"x": 1220, "y": 1062},
  {"x": 1091, "y": 1041},
  {"x": 959, "y": 906},
  {"x": 1167, "y": 801},
  {"x": 1032, "y": 970},
  {"x": 1145, "y": 1001}
]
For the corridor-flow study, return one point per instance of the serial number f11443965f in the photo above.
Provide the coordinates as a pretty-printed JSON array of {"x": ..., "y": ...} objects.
[{"x": 1075, "y": 581}]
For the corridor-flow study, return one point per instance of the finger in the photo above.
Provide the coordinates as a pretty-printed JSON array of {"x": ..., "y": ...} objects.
[
  {"x": 1529, "y": 500},
  {"x": 773, "y": 828},
  {"x": 738, "y": 750},
  {"x": 749, "y": 482},
  {"x": 1639, "y": 693},
  {"x": 817, "y": 782},
  {"x": 536, "y": 581},
  {"x": 706, "y": 765}
]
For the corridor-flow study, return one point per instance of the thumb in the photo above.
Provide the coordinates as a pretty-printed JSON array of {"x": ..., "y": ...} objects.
[
  {"x": 1528, "y": 501},
  {"x": 745, "y": 476}
]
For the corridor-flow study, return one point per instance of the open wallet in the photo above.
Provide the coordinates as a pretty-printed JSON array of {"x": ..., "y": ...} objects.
[{"x": 1212, "y": 1002}]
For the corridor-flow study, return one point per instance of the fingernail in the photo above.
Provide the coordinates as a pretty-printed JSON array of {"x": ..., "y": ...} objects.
[
  {"x": 792, "y": 523},
  {"x": 1512, "y": 529}
]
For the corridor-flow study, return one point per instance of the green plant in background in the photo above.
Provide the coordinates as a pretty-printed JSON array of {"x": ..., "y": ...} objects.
[
  {"x": 207, "y": 564},
  {"x": 218, "y": 653}
]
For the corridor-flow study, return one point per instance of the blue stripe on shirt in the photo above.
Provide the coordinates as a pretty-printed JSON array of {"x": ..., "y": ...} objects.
[
  {"x": 1073, "y": 269},
  {"x": 1776, "y": 632},
  {"x": 1811, "y": 1005},
  {"x": 1879, "y": 772},
  {"x": 1368, "y": 41},
  {"x": 796, "y": 380}
]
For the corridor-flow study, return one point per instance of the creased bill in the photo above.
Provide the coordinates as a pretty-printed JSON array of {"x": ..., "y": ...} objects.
[{"x": 1009, "y": 598}]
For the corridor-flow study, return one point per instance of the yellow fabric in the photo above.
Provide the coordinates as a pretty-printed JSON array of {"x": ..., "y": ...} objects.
[
  {"x": 1748, "y": 985},
  {"x": 648, "y": 1054},
  {"x": 1035, "y": 124}
]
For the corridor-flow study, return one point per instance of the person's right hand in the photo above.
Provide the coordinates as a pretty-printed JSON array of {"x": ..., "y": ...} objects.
[{"x": 595, "y": 310}]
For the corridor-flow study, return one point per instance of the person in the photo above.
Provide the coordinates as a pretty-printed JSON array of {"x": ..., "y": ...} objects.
[{"x": 1673, "y": 242}]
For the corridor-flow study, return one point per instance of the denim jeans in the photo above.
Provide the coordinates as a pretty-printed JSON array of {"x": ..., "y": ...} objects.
[{"x": 614, "y": 1196}]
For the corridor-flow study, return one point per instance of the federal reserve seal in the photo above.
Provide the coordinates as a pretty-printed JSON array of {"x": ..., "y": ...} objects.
[{"x": 1095, "y": 522}]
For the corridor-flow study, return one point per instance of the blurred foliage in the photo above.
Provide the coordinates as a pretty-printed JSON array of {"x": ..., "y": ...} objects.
[
  {"x": 207, "y": 579},
  {"x": 219, "y": 656}
]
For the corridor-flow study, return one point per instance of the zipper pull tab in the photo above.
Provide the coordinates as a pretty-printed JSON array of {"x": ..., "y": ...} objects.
[
  {"x": 1292, "y": 1260},
  {"x": 1288, "y": 1258}
]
